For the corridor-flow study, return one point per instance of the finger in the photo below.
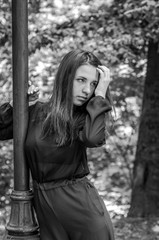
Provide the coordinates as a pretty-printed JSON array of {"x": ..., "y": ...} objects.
[
  {"x": 30, "y": 90},
  {"x": 106, "y": 72},
  {"x": 29, "y": 83},
  {"x": 33, "y": 89},
  {"x": 100, "y": 71},
  {"x": 36, "y": 89},
  {"x": 104, "y": 69},
  {"x": 33, "y": 93},
  {"x": 104, "y": 75}
]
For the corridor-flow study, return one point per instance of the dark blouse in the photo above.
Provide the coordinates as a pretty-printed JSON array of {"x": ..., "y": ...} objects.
[{"x": 48, "y": 162}]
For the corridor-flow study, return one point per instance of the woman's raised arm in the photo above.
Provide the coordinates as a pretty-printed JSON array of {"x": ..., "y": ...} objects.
[{"x": 93, "y": 133}]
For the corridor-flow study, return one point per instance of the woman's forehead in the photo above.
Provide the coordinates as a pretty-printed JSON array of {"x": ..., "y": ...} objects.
[{"x": 87, "y": 71}]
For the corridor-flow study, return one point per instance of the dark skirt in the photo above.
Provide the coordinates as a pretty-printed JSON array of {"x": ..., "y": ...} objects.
[{"x": 71, "y": 210}]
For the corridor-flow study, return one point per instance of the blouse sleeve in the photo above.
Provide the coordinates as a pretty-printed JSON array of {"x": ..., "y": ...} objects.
[
  {"x": 6, "y": 121},
  {"x": 93, "y": 133}
]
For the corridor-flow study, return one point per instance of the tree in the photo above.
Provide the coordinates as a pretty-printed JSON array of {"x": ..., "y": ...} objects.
[{"x": 145, "y": 194}]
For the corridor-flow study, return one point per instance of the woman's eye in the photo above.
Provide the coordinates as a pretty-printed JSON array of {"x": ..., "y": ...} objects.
[
  {"x": 80, "y": 80},
  {"x": 94, "y": 84}
]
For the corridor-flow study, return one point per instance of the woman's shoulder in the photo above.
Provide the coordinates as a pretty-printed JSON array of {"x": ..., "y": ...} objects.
[{"x": 38, "y": 109}]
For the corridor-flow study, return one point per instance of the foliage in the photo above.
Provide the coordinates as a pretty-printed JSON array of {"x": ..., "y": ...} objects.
[{"x": 143, "y": 17}]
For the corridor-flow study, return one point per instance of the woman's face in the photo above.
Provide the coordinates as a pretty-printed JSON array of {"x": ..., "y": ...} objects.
[{"x": 84, "y": 84}]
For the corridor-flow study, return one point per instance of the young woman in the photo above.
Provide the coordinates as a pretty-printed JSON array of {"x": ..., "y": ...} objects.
[{"x": 67, "y": 205}]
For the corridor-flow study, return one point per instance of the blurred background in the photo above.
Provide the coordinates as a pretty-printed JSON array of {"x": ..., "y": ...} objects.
[{"x": 125, "y": 36}]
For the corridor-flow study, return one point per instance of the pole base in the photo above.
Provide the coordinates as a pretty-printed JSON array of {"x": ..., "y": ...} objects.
[
  {"x": 11, "y": 237},
  {"x": 22, "y": 223}
]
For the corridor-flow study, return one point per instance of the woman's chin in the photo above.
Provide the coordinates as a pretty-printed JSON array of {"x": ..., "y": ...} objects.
[{"x": 78, "y": 103}]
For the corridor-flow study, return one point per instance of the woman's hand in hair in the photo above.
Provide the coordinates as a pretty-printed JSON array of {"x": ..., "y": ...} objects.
[{"x": 104, "y": 80}]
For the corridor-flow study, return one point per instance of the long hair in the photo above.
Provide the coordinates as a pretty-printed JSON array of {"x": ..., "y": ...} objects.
[{"x": 60, "y": 119}]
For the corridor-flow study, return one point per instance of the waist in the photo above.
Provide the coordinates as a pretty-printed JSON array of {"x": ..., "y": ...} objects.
[{"x": 57, "y": 183}]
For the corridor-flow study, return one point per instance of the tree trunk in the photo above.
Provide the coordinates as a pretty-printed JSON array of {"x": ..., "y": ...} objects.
[{"x": 145, "y": 192}]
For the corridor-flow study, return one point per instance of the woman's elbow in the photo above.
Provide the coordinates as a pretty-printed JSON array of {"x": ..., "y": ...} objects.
[
  {"x": 94, "y": 141},
  {"x": 6, "y": 135}
]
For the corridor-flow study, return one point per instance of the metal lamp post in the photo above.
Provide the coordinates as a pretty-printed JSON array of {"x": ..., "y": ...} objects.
[{"x": 22, "y": 223}]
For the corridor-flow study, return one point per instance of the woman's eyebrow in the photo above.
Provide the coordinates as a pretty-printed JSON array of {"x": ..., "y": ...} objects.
[
  {"x": 95, "y": 80},
  {"x": 81, "y": 77}
]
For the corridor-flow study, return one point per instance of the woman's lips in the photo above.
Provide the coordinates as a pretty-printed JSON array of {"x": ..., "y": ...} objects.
[{"x": 82, "y": 98}]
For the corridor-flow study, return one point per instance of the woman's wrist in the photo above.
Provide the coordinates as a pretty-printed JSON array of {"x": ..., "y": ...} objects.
[{"x": 99, "y": 93}]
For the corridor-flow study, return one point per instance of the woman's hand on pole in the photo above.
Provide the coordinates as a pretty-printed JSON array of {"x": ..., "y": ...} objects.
[{"x": 33, "y": 93}]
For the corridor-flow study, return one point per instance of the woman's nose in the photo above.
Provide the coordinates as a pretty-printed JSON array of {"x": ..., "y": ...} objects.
[{"x": 87, "y": 89}]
